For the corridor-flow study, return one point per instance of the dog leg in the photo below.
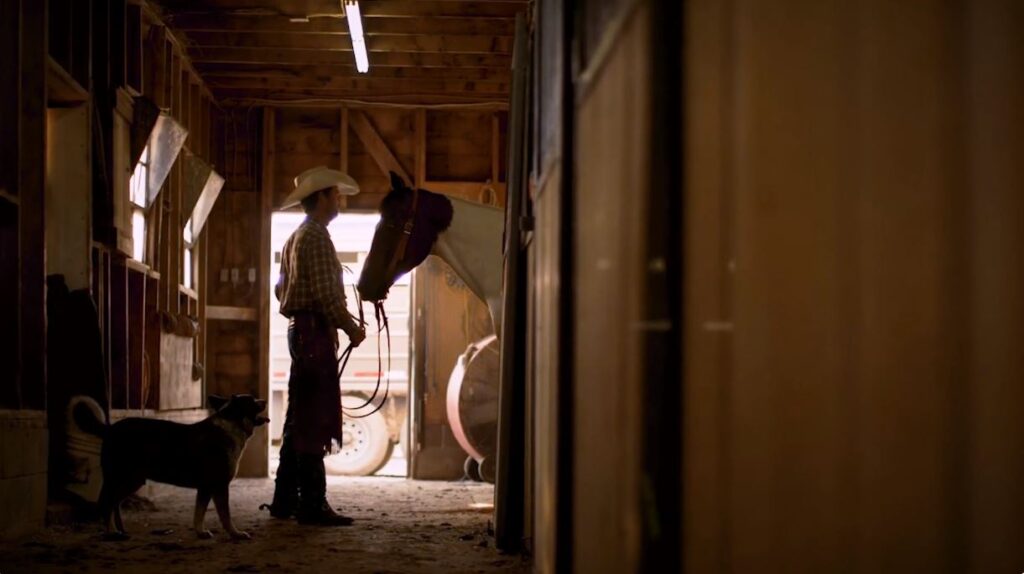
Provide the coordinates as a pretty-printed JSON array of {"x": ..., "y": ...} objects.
[
  {"x": 117, "y": 519},
  {"x": 202, "y": 501},
  {"x": 110, "y": 508},
  {"x": 220, "y": 500}
]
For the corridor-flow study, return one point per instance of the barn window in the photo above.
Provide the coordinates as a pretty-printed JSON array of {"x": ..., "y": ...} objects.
[{"x": 139, "y": 195}]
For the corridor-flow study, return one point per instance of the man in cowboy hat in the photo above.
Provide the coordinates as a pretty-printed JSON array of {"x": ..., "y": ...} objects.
[{"x": 312, "y": 295}]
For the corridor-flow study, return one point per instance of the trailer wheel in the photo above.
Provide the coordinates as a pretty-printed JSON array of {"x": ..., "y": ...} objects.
[{"x": 366, "y": 444}]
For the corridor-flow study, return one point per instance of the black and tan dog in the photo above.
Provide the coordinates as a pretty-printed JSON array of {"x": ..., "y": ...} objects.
[{"x": 203, "y": 456}]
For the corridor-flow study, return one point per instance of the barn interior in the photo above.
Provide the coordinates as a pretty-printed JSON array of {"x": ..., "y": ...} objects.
[{"x": 757, "y": 305}]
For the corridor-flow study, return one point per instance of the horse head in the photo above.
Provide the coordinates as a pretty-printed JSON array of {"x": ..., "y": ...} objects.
[{"x": 411, "y": 220}]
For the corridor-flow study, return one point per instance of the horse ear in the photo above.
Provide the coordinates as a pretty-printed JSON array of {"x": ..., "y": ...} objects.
[{"x": 396, "y": 181}]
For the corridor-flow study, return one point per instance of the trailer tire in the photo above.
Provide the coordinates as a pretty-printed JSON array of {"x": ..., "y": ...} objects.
[{"x": 366, "y": 445}]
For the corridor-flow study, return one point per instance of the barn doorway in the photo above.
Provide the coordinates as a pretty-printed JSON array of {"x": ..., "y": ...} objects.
[{"x": 375, "y": 445}]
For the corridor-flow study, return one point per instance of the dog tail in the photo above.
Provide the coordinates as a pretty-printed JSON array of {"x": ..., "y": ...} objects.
[{"x": 86, "y": 414}]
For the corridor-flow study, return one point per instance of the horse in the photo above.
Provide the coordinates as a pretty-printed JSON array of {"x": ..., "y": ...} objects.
[{"x": 416, "y": 223}]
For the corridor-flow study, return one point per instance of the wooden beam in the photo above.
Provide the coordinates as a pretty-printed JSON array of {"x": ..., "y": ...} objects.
[
  {"x": 334, "y": 98},
  {"x": 343, "y": 58},
  {"x": 255, "y": 463},
  {"x": 221, "y": 313},
  {"x": 338, "y": 42},
  {"x": 323, "y": 73},
  {"x": 468, "y": 190},
  {"x": 375, "y": 145},
  {"x": 283, "y": 25},
  {"x": 378, "y": 8},
  {"x": 368, "y": 85}
]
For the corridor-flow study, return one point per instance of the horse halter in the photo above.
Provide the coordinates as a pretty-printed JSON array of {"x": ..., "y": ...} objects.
[{"x": 403, "y": 240}]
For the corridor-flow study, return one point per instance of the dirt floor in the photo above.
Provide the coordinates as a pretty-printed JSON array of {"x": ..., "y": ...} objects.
[{"x": 401, "y": 526}]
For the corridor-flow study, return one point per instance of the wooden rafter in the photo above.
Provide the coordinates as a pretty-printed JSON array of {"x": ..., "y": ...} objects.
[
  {"x": 384, "y": 85},
  {"x": 323, "y": 74},
  {"x": 421, "y": 51},
  {"x": 326, "y": 57},
  {"x": 369, "y": 8},
  {"x": 280, "y": 24},
  {"x": 341, "y": 42}
]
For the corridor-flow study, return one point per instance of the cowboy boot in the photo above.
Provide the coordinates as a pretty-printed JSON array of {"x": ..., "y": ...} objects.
[
  {"x": 286, "y": 485},
  {"x": 313, "y": 507}
]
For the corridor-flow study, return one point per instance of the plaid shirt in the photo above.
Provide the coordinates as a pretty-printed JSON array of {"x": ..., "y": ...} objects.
[{"x": 311, "y": 277}]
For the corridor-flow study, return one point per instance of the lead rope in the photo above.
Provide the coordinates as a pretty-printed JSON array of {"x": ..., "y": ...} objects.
[{"x": 382, "y": 325}]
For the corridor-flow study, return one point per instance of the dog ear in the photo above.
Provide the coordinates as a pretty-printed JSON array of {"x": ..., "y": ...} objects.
[
  {"x": 396, "y": 181},
  {"x": 216, "y": 402}
]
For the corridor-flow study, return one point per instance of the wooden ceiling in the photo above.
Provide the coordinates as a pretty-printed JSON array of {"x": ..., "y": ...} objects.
[{"x": 420, "y": 51}]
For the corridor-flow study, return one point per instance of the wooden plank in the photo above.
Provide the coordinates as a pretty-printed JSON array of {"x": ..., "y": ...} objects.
[
  {"x": 117, "y": 54},
  {"x": 136, "y": 336},
  {"x": 282, "y": 25},
  {"x": 119, "y": 334},
  {"x": 10, "y": 267},
  {"x": 344, "y": 58},
  {"x": 155, "y": 85},
  {"x": 9, "y": 105},
  {"x": 173, "y": 83},
  {"x": 223, "y": 313},
  {"x": 375, "y": 145},
  {"x": 202, "y": 252},
  {"x": 195, "y": 118},
  {"x": 322, "y": 73},
  {"x": 31, "y": 186},
  {"x": 134, "y": 48},
  {"x": 339, "y": 84},
  {"x": 379, "y": 8},
  {"x": 334, "y": 98},
  {"x": 184, "y": 114},
  {"x": 341, "y": 42}
]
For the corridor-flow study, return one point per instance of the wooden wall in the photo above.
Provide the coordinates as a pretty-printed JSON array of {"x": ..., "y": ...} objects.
[
  {"x": 855, "y": 287},
  {"x": 454, "y": 151},
  {"x": 612, "y": 156}
]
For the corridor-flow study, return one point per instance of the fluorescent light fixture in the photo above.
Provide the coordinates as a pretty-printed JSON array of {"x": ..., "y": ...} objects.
[{"x": 355, "y": 30}]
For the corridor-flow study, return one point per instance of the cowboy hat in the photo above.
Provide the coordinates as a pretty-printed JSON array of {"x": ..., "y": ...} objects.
[{"x": 317, "y": 178}]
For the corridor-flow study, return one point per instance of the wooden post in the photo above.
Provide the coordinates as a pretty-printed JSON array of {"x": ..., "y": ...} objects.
[
  {"x": 343, "y": 137},
  {"x": 32, "y": 174},
  {"x": 421, "y": 147},
  {"x": 256, "y": 457}
]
